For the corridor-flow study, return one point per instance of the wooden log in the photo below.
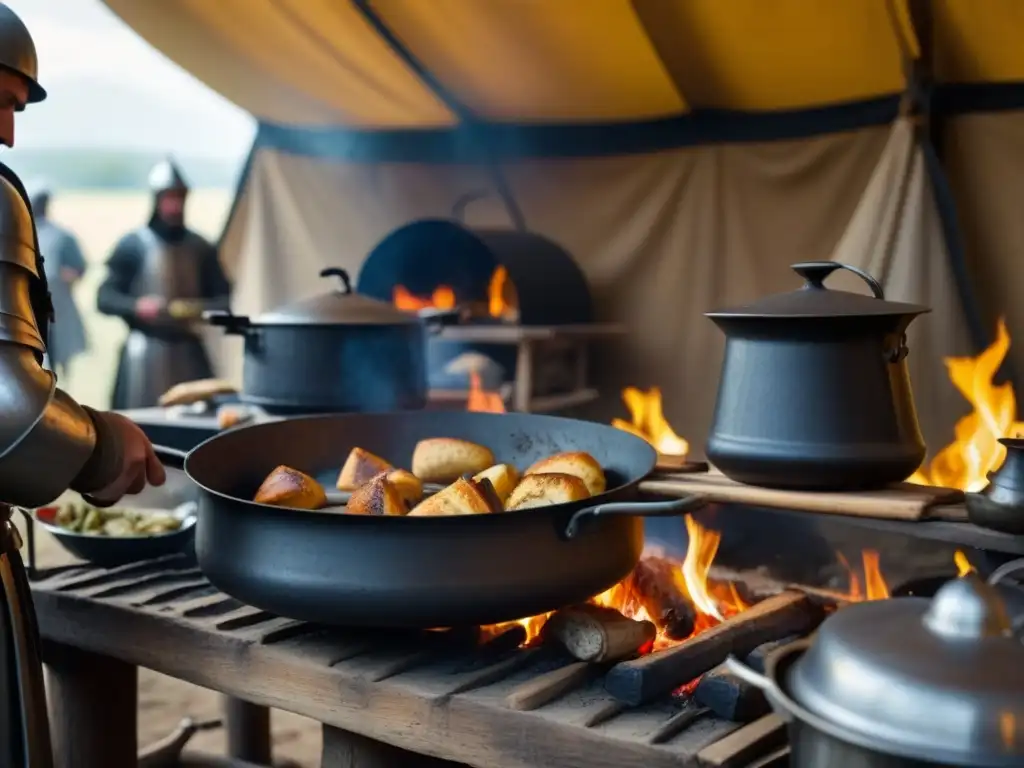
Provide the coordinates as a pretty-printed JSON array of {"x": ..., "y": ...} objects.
[
  {"x": 756, "y": 658},
  {"x": 641, "y": 680},
  {"x": 653, "y": 582},
  {"x": 598, "y": 634},
  {"x": 546, "y": 688},
  {"x": 730, "y": 697},
  {"x": 751, "y": 742}
]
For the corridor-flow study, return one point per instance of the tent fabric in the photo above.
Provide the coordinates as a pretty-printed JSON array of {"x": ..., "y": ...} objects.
[
  {"x": 322, "y": 62},
  {"x": 662, "y": 237}
]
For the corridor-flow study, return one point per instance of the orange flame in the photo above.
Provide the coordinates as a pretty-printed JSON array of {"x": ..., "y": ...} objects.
[
  {"x": 874, "y": 585},
  {"x": 501, "y": 301},
  {"x": 711, "y": 602},
  {"x": 480, "y": 400},
  {"x": 963, "y": 565},
  {"x": 648, "y": 421},
  {"x": 975, "y": 450}
]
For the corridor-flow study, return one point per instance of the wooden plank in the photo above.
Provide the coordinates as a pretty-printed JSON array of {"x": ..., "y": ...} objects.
[
  {"x": 748, "y": 743},
  {"x": 904, "y": 501},
  {"x": 470, "y": 729},
  {"x": 677, "y": 724},
  {"x": 140, "y": 587},
  {"x": 97, "y": 577},
  {"x": 549, "y": 686},
  {"x": 176, "y": 594},
  {"x": 206, "y": 606}
]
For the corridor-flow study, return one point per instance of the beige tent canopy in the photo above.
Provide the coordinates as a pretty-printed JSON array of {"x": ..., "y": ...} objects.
[{"x": 684, "y": 151}]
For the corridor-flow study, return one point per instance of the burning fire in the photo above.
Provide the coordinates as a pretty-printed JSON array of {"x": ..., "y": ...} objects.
[
  {"x": 975, "y": 450},
  {"x": 501, "y": 300},
  {"x": 648, "y": 421},
  {"x": 658, "y": 586},
  {"x": 481, "y": 400}
]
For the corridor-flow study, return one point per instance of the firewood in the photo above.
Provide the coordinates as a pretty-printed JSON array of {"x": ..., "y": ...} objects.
[
  {"x": 598, "y": 634},
  {"x": 756, "y": 658},
  {"x": 730, "y": 697},
  {"x": 653, "y": 582},
  {"x": 641, "y": 680}
]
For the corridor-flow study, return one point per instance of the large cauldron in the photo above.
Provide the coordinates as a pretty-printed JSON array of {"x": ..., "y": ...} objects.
[
  {"x": 815, "y": 391},
  {"x": 339, "y": 352}
]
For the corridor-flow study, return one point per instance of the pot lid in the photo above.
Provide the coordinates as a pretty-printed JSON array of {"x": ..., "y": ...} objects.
[
  {"x": 341, "y": 306},
  {"x": 938, "y": 680},
  {"x": 815, "y": 300}
]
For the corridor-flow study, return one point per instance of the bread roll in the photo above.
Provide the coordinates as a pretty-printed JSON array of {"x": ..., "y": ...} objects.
[
  {"x": 378, "y": 497},
  {"x": 503, "y": 478},
  {"x": 576, "y": 463},
  {"x": 463, "y": 497},
  {"x": 545, "y": 490},
  {"x": 288, "y": 487},
  {"x": 443, "y": 459},
  {"x": 360, "y": 467},
  {"x": 408, "y": 485}
]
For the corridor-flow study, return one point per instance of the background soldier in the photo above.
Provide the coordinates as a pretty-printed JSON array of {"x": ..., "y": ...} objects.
[
  {"x": 160, "y": 278},
  {"x": 65, "y": 266}
]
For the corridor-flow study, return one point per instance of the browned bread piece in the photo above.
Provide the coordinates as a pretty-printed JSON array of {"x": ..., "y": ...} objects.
[
  {"x": 503, "y": 478},
  {"x": 378, "y": 497},
  {"x": 287, "y": 487},
  {"x": 189, "y": 392},
  {"x": 408, "y": 485},
  {"x": 443, "y": 459},
  {"x": 576, "y": 463},
  {"x": 360, "y": 467},
  {"x": 463, "y": 497},
  {"x": 545, "y": 490}
]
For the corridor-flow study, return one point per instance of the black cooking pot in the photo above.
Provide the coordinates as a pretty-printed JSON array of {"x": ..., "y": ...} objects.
[
  {"x": 815, "y": 392},
  {"x": 906, "y": 683},
  {"x": 338, "y": 352}
]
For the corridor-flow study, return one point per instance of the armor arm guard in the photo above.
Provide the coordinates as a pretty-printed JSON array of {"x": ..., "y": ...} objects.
[
  {"x": 115, "y": 293},
  {"x": 48, "y": 442}
]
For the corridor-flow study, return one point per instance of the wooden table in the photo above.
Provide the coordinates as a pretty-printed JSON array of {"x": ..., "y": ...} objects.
[{"x": 383, "y": 701}]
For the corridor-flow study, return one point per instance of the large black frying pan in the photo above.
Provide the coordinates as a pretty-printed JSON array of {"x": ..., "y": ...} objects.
[{"x": 339, "y": 569}]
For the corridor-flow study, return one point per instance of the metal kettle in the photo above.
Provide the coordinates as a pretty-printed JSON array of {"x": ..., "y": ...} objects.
[{"x": 815, "y": 392}]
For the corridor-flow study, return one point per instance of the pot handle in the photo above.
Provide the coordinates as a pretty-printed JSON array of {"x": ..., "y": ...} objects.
[
  {"x": 680, "y": 506},
  {"x": 238, "y": 325},
  {"x": 341, "y": 274},
  {"x": 815, "y": 273},
  {"x": 170, "y": 457}
]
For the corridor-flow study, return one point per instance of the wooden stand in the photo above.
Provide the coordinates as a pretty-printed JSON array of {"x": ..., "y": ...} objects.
[
  {"x": 93, "y": 704},
  {"x": 343, "y": 749},
  {"x": 248, "y": 731}
]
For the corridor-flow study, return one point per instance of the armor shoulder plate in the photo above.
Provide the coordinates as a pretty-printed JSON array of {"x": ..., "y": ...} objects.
[{"x": 17, "y": 231}]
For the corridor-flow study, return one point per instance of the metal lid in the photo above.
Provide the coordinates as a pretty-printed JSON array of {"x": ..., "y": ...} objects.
[
  {"x": 815, "y": 300},
  {"x": 339, "y": 307},
  {"x": 938, "y": 680}
]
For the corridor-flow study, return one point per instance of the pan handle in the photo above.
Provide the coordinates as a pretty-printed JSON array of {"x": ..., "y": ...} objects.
[
  {"x": 170, "y": 457},
  {"x": 680, "y": 506}
]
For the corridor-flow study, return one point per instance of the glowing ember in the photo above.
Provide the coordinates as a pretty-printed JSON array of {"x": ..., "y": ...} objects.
[
  {"x": 974, "y": 452},
  {"x": 648, "y": 421},
  {"x": 480, "y": 400},
  {"x": 501, "y": 299}
]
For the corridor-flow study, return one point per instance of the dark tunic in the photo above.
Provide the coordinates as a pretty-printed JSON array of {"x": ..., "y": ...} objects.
[{"x": 173, "y": 263}]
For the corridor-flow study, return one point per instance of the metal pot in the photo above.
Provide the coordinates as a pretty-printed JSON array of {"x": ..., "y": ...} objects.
[
  {"x": 1001, "y": 505},
  {"x": 905, "y": 682},
  {"x": 815, "y": 392},
  {"x": 338, "y": 352}
]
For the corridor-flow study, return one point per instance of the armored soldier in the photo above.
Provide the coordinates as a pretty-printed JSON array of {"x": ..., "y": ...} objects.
[
  {"x": 48, "y": 442},
  {"x": 160, "y": 278},
  {"x": 65, "y": 266}
]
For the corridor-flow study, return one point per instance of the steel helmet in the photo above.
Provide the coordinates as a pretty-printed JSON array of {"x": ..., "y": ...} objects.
[
  {"x": 18, "y": 52},
  {"x": 165, "y": 176}
]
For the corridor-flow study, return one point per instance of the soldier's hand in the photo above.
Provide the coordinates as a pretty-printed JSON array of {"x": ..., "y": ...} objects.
[
  {"x": 139, "y": 465},
  {"x": 150, "y": 307}
]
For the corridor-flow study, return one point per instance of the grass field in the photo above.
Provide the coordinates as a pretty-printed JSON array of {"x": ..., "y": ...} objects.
[{"x": 99, "y": 219}]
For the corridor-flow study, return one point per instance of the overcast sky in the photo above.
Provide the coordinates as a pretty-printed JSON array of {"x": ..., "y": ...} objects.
[{"x": 108, "y": 88}]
